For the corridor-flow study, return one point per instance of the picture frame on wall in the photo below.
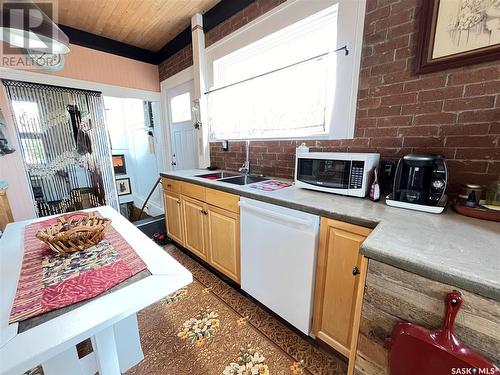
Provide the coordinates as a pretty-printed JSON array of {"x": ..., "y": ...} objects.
[
  {"x": 455, "y": 33},
  {"x": 123, "y": 186},
  {"x": 119, "y": 164}
]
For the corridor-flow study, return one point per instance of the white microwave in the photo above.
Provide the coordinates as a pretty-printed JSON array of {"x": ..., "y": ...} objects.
[{"x": 335, "y": 172}]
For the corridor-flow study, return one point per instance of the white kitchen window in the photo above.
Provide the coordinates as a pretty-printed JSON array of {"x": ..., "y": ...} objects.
[{"x": 281, "y": 84}]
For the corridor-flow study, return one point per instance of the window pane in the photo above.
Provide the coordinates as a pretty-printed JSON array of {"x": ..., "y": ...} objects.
[
  {"x": 289, "y": 91},
  {"x": 287, "y": 103},
  {"x": 180, "y": 107}
]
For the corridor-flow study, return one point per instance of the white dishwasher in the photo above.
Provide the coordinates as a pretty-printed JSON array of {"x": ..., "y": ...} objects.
[{"x": 278, "y": 259}]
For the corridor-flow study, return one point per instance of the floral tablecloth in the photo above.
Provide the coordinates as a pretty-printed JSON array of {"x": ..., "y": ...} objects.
[{"x": 50, "y": 281}]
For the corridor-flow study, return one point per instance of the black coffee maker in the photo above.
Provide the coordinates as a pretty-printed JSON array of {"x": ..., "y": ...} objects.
[{"x": 420, "y": 179}]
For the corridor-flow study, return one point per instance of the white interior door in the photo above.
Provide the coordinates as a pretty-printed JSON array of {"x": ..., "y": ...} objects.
[{"x": 182, "y": 131}]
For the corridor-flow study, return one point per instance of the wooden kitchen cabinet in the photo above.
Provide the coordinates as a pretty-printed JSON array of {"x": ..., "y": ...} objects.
[
  {"x": 206, "y": 222},
  {"x": 340, "y": 280},
  {"x": 195, "y": 226},
  {"x": 173, "y": 210},
  {"x": 224, "y": 241}
]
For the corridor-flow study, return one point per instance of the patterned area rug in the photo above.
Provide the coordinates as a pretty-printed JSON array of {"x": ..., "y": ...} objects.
[{"x": 210, "y": 328}]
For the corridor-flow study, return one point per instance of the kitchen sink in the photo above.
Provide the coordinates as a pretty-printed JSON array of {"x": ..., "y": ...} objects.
[
  {"x": 218, "y": 175},
  {"x": 244, "y": 179}
]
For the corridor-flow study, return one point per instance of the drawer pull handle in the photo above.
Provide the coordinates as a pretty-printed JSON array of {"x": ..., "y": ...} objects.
[
  {"x": 355, "y": 271},
  {"x": 178, "y": 202},
  {"x": 204, "y": 212}
]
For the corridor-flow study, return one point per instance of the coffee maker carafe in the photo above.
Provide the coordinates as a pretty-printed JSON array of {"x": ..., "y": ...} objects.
[{"x": 420, "y": 179}]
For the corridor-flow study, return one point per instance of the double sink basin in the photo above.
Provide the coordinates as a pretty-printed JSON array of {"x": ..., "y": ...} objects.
[{"x": 233, "y": 178}]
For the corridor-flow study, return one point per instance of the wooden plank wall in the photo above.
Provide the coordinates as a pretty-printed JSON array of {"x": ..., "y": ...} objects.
[{"x": 393, "y": 295}]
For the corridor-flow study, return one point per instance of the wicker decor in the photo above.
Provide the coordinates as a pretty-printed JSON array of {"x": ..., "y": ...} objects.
[{"x": 74, "y": 234}]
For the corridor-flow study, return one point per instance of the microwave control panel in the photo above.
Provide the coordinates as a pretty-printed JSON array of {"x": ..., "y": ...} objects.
[{"x": 357, "y": 172}]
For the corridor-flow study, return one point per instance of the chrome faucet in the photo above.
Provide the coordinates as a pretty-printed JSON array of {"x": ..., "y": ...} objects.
[{"x": 245, "y": 168}]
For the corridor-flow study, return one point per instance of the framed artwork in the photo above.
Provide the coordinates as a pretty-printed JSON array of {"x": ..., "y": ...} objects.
[
  {"x": 458, "y": 32},
  {"x": 123, "y": 186},
  {"x": 119, "y": 164}
]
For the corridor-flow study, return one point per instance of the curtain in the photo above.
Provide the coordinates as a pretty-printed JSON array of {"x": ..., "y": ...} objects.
[{"x": 65, "y": 146}]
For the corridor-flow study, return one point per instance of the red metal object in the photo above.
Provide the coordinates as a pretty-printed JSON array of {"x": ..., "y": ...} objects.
[{"x": 414, "y": 350}]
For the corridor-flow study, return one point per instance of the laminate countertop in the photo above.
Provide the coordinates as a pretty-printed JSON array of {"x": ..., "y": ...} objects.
[{"x": 449, "y": 248}]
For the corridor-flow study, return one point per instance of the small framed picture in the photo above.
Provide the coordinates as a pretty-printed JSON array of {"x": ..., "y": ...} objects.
[
  {"x": 119, "y": 164},
  {"x": 123, "y": 186},
  {"x": 456, "y": 33}
]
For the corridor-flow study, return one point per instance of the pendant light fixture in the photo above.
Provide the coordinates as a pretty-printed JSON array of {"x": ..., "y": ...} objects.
[{"x": 25, "y": 25}]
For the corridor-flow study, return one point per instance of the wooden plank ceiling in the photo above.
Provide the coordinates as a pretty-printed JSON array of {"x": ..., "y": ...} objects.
[{"x": 148, "y": 24}]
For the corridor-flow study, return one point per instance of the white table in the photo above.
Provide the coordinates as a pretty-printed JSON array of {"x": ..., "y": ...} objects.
[{"x": 109, "y": 320}]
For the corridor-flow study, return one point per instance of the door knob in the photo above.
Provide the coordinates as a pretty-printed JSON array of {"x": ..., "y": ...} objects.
[
  {"x": 178, "y": 202},
  {"x": 355, "y": 271}
]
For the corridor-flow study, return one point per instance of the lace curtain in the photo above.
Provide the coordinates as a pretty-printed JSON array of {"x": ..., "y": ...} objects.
[{"x": 64, "y": 145}]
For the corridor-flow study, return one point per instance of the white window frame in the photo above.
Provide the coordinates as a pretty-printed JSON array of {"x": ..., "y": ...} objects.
[{"x": 341, "y": 115}]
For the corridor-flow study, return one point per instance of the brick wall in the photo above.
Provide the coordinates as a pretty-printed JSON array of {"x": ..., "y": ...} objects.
[{"x": 455, "y": 113}]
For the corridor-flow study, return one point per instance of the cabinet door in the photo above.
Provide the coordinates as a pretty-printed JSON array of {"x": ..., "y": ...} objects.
[
  {"x": 173, "y": 212},
  {"x": 340, "y": 276},
  {"x": 224, "y": 240},
  {"x": 195, "y": 224}
]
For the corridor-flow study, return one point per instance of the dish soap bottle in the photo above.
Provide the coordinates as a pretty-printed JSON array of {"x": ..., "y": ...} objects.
[{"x": 302, "y": 148}]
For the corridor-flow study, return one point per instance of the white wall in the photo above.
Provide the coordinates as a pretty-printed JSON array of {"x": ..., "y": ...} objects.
[
  {"x": 125, "y": 118},
  {"x": 11, "y": 166},
  {"x": 12, "y": 169}
]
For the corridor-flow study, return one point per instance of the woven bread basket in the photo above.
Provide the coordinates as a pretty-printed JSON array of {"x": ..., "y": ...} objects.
[{"x": 74, "y": 234}]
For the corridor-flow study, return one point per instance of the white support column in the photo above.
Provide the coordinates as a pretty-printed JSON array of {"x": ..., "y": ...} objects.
[
  {"x": 104, "y": 345},
  {"x": 199, "y": 67},
  {"x": 64, "y": 363},
  {"x": 128, "y": 343}
]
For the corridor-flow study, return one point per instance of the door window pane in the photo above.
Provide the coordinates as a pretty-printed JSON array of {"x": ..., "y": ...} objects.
[{"x": 180, "y": 107}]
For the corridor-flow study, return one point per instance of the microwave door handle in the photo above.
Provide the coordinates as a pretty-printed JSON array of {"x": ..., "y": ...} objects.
[{"x": 290, "y": 221}]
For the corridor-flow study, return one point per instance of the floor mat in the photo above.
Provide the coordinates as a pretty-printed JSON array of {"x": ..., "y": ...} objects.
[{"x": 210, "y": 328}]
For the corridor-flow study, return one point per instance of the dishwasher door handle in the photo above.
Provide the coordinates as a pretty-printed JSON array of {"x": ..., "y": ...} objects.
[{"x": 290, "y": 221}]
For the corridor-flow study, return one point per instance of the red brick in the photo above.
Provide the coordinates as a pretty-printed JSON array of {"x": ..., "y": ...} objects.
[
  {"x": 423, "y": 142},
  {"x": 440, "y": 94},
  {"x": 479, "y": 116},
  {"x": 483, "y": 88},
  {"x": 465, "y": 129},
  {"x": 402, "y": 41},
  {"x": 426, "y": 130},
  {"x": 399, "y": 99},
  {"x": 468, "y": 166},
  {"x": 369, "y": 103},
  {"x": 425, "y": 84},
  {"x": 394, "y": 121},
  {"x": 386, "y": 142},
  {"x": 384, "y": 111},
  {"x": 386, "y": 90},
  {"x": 478, "y": 153},
  {"x": 381, "y": 132},
  {"x": 436, "y": 118},
  {"x": 403, "y": 53},
  {"x": 421, "y": 108},
  {"x": 472, "y": 141},
  {"x": 405, "y": 28},
  {"x": 366, "y": 123},
  {"x": 473, "y": 75},
  {"x": 469, "y": 103},
  {"x": 391, "y": 67}
]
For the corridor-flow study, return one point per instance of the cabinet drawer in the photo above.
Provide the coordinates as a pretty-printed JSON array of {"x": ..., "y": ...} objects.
[
  {"x": 193, "y": 191},
  {"x": 171, "y": 185},
  {"x": 223, "y": 200}
]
